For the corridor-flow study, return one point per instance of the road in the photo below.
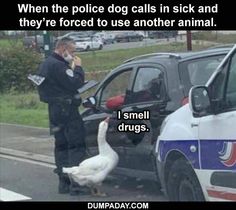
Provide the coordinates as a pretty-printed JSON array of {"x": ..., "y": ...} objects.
[
  {"x": 26, "y": 180},
  {"x": 126, "y": 45},
  {"x": 144, "y": 43},
  {"x": 27, "y": 163}
]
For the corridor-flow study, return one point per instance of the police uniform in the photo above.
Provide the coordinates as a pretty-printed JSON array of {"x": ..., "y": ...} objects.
[{"x": 59, "y": 90}]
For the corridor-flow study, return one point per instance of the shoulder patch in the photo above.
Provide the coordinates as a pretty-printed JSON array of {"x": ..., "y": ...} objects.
[
  {"x": 36, "y": 79},
  {"x": 70, "y": 73}
]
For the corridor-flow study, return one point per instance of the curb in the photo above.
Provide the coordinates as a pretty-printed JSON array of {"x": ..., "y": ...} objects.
[
  {"x": 28, "y": 155},
  {"x": 23, "y": 126}
]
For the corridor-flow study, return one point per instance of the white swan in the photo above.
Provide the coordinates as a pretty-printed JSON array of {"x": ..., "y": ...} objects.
[{"x": 92, "y": 171}]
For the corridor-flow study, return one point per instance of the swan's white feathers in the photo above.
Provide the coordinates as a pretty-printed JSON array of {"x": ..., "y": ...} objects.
[{"x": 94, "y": 170}]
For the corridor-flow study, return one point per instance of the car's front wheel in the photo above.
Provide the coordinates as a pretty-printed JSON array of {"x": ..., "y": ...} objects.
[
  {"x": 100, "y": 47},
  {"x": 182, "y": 183}
]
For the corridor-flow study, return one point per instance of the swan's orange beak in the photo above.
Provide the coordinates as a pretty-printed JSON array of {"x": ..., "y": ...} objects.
[{"x": 107, "y": 119}]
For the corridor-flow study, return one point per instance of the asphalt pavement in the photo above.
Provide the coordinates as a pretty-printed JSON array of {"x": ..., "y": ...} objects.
[
  {"x": 29, "y": 139},
  {"x": 34, "y": 182},
  {"x": 27, "y": 163},
  {"x": 36, "y": 144}
]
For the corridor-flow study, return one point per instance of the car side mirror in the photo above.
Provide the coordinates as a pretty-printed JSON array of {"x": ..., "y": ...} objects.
[
  {"x": 200, "y": 102},
  {"x": 90, "y": 102}
]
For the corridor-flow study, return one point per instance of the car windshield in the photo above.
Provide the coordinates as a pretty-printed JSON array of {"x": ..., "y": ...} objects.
[
  {"x": 198, "y": 71},
  {"x": 83, "y": 39},
  {"x": 201, "y": 70}
]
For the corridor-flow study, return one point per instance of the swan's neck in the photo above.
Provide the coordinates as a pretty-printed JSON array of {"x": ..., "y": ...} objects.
[
  {"x": 104, "y": 149},
  {"x": 103, "y": 146}
]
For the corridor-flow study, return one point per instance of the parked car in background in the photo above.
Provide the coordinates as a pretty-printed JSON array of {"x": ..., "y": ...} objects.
[
  {"x": 87, "y": 43},
  {"x": 196, "y": 149},
  {"x": 157, "y": 82},
  {"x": 128, "y": 36},
  {"x": 110, "y": 38},
  {"x": 162, "y": 34},
  {"x": 74, "y": 35},
  {"x": 106, "y": 37}
]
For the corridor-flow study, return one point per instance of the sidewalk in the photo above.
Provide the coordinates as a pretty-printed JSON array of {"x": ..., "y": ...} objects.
[{"x": 26, "y": 141}]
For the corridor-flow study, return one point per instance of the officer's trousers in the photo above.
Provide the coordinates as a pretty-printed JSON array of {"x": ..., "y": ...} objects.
[{"x": 70, "y": 147}]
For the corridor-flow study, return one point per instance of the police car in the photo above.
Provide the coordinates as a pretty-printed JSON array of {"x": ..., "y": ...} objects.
[{"x": 196, "y": 148}]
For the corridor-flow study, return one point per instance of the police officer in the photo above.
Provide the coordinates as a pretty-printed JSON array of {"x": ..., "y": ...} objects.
[{"x": 59, "y": 90}]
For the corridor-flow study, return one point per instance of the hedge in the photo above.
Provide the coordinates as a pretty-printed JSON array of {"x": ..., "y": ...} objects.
[{"x": 15, "y": 65}]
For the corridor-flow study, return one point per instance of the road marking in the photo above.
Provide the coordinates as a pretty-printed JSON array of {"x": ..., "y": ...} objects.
[{"x": 7, "y": 195}]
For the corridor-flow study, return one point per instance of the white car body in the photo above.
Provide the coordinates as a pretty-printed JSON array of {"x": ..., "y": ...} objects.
[
  {"x": 86, "y": 44},
  {"x": 207, "y": 143},
  {"x": 105, "y": 37}
]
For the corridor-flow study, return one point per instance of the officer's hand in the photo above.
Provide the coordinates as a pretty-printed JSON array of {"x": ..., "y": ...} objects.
[{"x": 77, "y": 61}]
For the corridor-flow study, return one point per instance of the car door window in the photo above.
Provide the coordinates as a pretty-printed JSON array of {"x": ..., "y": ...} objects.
[
  {"x": 149, "y": 85},
  {"x": 116, "y": 87}
]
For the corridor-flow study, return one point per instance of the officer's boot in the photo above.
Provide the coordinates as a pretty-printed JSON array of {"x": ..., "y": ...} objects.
[
  {"x": 76, "y": 189},
  {"x": 64, "y": 185}
]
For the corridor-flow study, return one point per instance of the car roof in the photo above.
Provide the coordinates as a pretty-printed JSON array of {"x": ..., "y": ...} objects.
[
  {"x": 163, "y": 58},
  {"x": 181, "y": 56}
]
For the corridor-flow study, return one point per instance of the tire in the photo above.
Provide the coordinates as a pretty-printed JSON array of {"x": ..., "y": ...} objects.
[
  {"x": 100, "y": 47},
  {"x": 87, "y": 48},
  {"x": 182, "y": 183}
]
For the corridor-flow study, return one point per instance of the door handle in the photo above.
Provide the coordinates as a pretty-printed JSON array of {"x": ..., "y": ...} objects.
[{"x": 194, "y": 125}]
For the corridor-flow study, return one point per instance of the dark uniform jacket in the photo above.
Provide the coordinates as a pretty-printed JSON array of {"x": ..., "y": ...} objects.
[
  {"x": 60, "y": 80},
  {"x": 59, "y": 90}
]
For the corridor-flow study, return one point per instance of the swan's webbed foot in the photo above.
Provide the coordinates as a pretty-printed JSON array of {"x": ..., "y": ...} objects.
[{"x": 96, "y": 191}]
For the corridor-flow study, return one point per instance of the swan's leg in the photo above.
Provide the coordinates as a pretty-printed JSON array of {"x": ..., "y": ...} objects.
[
  {"x": 96, "y": 191},
  {"x": 70, "y": 177}
]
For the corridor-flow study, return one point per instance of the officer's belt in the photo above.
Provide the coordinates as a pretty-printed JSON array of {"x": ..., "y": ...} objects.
[{"x": 59, "y": 100}]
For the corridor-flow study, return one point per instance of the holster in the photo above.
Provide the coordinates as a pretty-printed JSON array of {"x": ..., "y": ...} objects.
[{"x": 76, "y": 101}]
